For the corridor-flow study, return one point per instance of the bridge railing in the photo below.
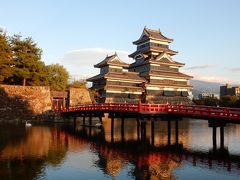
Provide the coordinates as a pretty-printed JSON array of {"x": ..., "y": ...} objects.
[
  {"x": 206, "y": 111},
  {"x": 200, "y": 111}
]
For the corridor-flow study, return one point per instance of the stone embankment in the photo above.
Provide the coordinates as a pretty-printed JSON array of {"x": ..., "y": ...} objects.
[{"x": 19, "y": 103}]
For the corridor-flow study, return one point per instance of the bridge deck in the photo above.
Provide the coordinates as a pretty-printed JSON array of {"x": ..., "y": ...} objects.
[{"x": 224, "y": 113}]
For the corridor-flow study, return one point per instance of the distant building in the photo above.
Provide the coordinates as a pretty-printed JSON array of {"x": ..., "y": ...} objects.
[
  {"x": 154, "y": 77},
  {"x": 230, "y": 91},
  {"x": 208, "y": 95}
]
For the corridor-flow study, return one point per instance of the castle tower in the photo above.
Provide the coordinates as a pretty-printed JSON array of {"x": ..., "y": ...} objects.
[
  {"x": 115, "y": 83},
  {"x": 154, "y": 62}
]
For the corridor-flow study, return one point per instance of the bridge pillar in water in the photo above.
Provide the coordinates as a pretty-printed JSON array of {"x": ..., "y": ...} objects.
[
  {"x": 138, "y": 126},
  {"x": 122, "y": 128},
  {"x": 74, "y": 121},
  {"x": 90, "y": 119},
  {"x": 214, "y": 137},
  {"x": 84, "y": 120},
  {"x": 152, "y": 131},
  {"x": 169, "y": 132},
  {"x": 176, "y": 132},
  {"x": 112, "y": 127},
  {"x": 143, "y": 130},
  {"x": 214, "y": 126},
  {"x": 222, "y": 137}
]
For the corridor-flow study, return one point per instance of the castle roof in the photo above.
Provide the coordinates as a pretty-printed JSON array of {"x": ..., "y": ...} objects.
[
  {"x": 152, "y": 34},
  {"x": 112, "y": 60},
  {"x": 132, "y": 76}
]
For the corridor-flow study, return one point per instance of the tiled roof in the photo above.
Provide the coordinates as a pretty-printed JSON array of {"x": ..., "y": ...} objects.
[
  {"x": 124, "y": 88},
  {"x": 122, "y": 76},
  {"x": 156, "y": 34},
  {"x": 169, "y": 74},
  {"x": 99, "y": 76},
  {"x": 167, "y": 61},
  {"x": 113, "y": 60},
  {"x": 125, "y": 76},
  {"x": 153, "y": 34},
  {"x": 169, "y": 51}
]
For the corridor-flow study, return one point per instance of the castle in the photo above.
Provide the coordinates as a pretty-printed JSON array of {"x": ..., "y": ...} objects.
[{"x": 153, "y": 77}]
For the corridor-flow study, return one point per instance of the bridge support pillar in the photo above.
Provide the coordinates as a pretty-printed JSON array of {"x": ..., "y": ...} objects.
[
  {"x": 112, "y": 128},
  {"x": 84, "y": 120},
  {"x": 74, "y": 121},
  {"x": 122, "y": 128},
  {"x": 176, "y": 132},
  {"x": 222, "y": 137},
  {"x": 143, "y": 130},
  {"x": 152, "y": 131},
  {"x": 138, "y": 131},
  {"x": 214, "y": 135},
  {"x": 90, "y": 119},
  {"x": 169, "y": 132}
]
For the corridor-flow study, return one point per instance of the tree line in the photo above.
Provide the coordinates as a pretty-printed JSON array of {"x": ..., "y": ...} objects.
[
  {"x": 224, "y": 101},
  {"x": 21, "y": 64}
]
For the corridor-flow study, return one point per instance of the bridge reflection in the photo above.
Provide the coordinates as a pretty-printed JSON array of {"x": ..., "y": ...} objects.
[{"x": 152, "y": 151}]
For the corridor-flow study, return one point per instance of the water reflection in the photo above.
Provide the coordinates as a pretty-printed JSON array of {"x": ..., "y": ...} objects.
[{"x": 157, "y": 150}]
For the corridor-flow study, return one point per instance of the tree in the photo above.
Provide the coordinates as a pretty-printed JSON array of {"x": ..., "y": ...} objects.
[
  {"x": 228, "y": 101},
  {"x": 78, "y": 84},
  {"x": 57, "y": 77},
  {"x": 5, "y": 57},
  {"x": 27, "y": 61}
]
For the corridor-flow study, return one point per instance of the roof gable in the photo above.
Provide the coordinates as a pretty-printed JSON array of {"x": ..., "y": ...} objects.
[{"x": 114, "y": 60}]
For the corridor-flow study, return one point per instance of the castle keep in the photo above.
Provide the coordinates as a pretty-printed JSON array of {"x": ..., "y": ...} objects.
[{"x": 153, "y": 77}]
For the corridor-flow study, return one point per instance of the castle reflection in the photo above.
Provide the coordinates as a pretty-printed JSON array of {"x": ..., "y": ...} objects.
[{"x": 153, "y": 153}]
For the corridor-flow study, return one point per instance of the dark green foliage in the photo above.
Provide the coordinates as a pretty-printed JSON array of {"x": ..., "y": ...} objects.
[
  {"x": 28, "y": 67},
  {"x": 225, "y": 101},
  {"x": 5, "y": 58},
  {"x": 229, "y": 101},
  {"x": 57, "y": 77},
  {"x": 206, "y": 101},
  {"x": 21, "y": 64}
]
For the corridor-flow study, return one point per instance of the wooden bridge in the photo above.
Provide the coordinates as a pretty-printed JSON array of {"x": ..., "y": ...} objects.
[{"x": 205, "y": 112}]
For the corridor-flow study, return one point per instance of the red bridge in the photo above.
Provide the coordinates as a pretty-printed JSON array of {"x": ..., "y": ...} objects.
[{"x": 207, "y": 112}]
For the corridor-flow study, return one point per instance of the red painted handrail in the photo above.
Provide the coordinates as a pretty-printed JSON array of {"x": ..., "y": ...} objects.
[{"x": 197, "y": 111}]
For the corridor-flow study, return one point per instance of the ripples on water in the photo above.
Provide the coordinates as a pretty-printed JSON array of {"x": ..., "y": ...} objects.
[{"x": 65, "y": 152}]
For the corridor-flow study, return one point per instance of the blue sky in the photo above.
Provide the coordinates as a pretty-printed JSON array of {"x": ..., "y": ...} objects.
[{"x": 78, "y": 34}]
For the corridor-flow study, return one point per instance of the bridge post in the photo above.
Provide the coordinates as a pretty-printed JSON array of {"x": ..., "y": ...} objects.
[
  {"x": 112, "y": 127},
  {"x": 214, "y": 133},
  {"x": 138, "y": 124},
  {"x": 152, "y": 130},
  {"x": 122, "y": 128},
  {"x": 74, "y": 121},
  {"x": 169, "y": 132},
  {"x": 84, "y": 119},
  {"x": 222, "y": 137},
  {"x": 90, "y": 119},
  {"x": 176, "y": 132}
]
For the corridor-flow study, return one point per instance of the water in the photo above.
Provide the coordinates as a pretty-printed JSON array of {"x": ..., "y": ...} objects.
[{"x": 61, "y": 151}]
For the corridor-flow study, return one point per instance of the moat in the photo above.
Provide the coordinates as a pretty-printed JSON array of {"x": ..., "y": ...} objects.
[{"x": 62, "y": 151}]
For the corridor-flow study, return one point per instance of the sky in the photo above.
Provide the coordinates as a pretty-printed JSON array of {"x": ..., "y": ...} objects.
[{"x": 78, "y": 34}]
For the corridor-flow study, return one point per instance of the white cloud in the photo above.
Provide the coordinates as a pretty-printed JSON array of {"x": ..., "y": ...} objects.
[
  {"x": 212, "y": 78},
  {"x": 200, "y": 67},
  {"x": 80, "y": 62}
]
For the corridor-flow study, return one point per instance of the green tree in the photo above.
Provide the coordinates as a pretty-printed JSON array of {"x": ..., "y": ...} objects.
[
  {"x": 27, "y": 61},
  {"x": 5, "y": 57},
  {"x": 57, "y": 77},
  {"x": 228, "y": 101},
  {"x": 211, "y": 101},
  {"x": 78, "y": 84}
]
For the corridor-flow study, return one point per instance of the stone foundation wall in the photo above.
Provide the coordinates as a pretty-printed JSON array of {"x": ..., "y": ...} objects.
[
  {"x": 23, "y": 103},
  {"x": 79, "y": 96},
  {"x": 170, "y": 100}
]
